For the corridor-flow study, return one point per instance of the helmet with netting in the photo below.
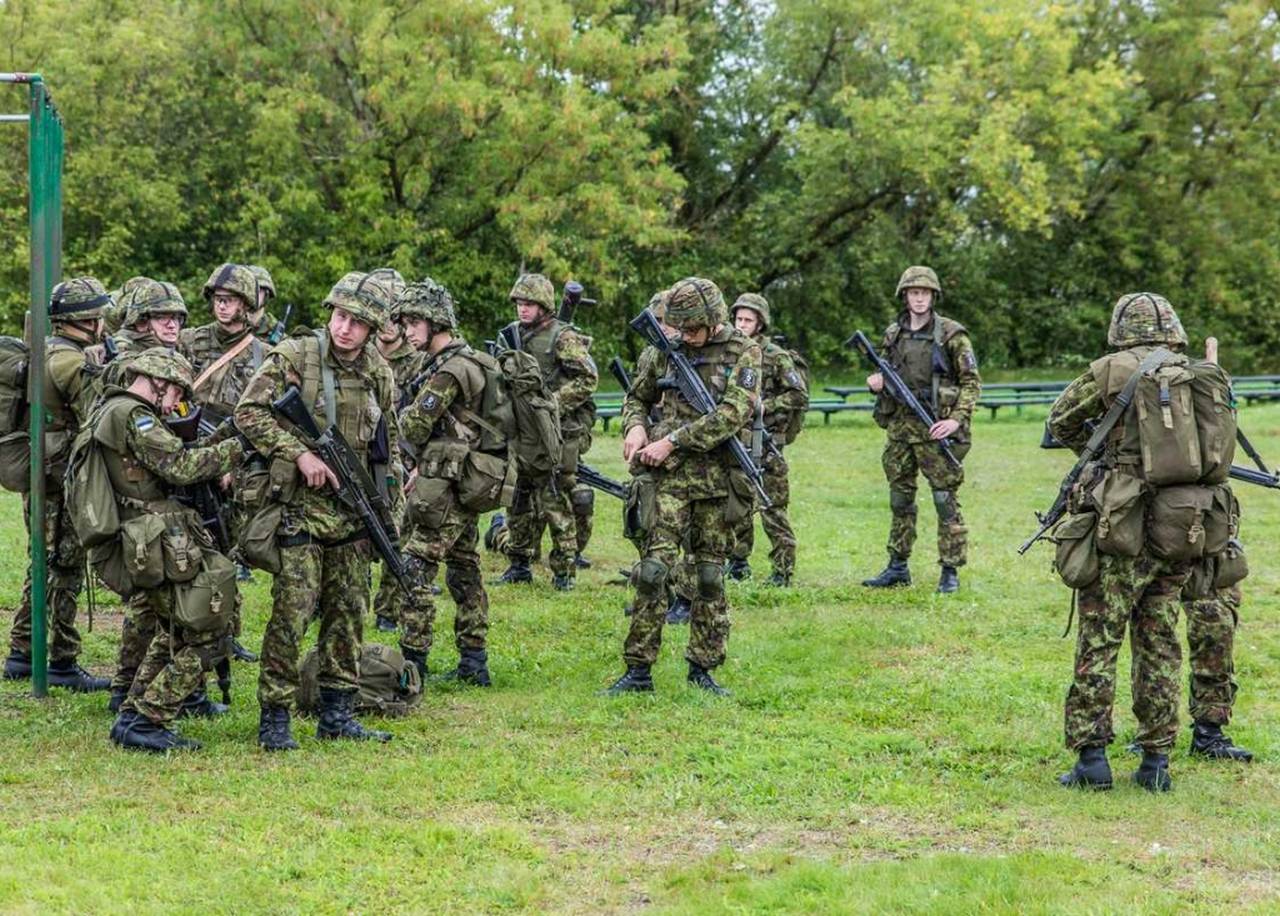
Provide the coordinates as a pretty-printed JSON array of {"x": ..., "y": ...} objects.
[
  {"x": 163, "y": 363},
  {"x": 658, "y": 304},
  {"x": 756, "y": 303},
  {"x": 79, "y": 299},
  {"x": 428, "y": 300},
  {"x": 145, "y": 298},
  {"x": 364, "y": 296},
  {"x": 1145, "y": 319},
  {"x": 534, "y": 288},
  {"x": 392, "y": 278},
  {"x": 234, "y": 278},
  {"x": 694, "y": 302},
  {"x": 265, "y": 283},
  {"x": 919, "y": 277}
]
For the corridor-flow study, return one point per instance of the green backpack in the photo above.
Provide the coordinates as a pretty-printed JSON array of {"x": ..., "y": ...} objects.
[
  {"x": 90, "y": 496},
  {"x": 15, "y": 445},
  {"x": 388, "y": 685},
  {"x": 794, "y": 422},
  {"x": 518, "y": 414}
]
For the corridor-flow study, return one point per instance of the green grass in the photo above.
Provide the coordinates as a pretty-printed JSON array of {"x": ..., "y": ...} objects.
[{"x": 881, "y": 753}]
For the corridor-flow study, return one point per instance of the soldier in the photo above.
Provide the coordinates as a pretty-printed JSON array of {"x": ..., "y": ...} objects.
[
  {"x": 783, "y": 392},
  {"x": 75, "y": 311},
  {"x": 936, "y": 360},
  {"x": 262, "y": 321},
  {"x": 1141, "y": 592},
  {"x": 324, "y": 549},
  {"x": 697, "y": 491},
  {"x": 571, "y": 378},
  {"x": 143, "y": 461},
  {"x": 444, "y": 416}
]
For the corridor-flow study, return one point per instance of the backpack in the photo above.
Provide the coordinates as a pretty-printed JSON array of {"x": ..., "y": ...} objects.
[
  {"x": 15, "y": 439},
  {"x": 90, "y": 496},
  {"x": 388, "y": 685},
  {"x": 519, "y": 414},
  {"x": 1185, "y": 414},
  {"x": 790, "y": 428}
]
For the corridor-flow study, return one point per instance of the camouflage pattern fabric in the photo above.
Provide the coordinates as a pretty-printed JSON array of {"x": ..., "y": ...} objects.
[
  {"x": 773, "y": 520},
  {"x": 65, "y": 578},
  {"x": 1142, "y": 594},
  {"x": 546, "y": 506},
  {"x": 902, "y": 462},
  {"x": 204, "y": 346},
  {"x": 1211, "y": 633},
  {"x": 136, "y": 633},
  {"x": 329, "y": 583},
  {"x": 175, "y": 663},
  {"x": 1144, "y": 318},
  {"x": 583, "y": 500}
]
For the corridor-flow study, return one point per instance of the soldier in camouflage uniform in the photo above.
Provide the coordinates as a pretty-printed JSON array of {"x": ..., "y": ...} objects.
[
  {"x": 700, "y": 493},
  {"x": 144, "y": 460},
  {"x": 782, "y": 391},
  {"x": 1141, "y": 593},
  {"x": 936, "y": 360},
  {"x": 571, "y": 378},
  {"x": 325, "y": 551},
  {"x": 262, "y": 321},
  {"x": 75, "y": 311},
  {"x": 437, "y": 423}
]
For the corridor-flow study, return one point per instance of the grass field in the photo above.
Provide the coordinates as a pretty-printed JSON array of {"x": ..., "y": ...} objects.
[{"x": 880, "y": 752}]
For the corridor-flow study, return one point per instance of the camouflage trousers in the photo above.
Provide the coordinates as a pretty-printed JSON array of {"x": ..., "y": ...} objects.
[
  {"x": 449, "y": 537},
  {"x": 315, "y": 581},
  {"x": 535, "y": 507},
  {"x": 1143, "y": 594},
  {"x": 136, "y": 634},
  {"x": 1211, "y": 633},
  {"x": 773, "y": 520},
  {"x": 583, "y": 500},
  {"x": 702, "y": 521},
  {"x": 64, "y": 578},
  {"x": 902, "y": 461},
  {"x": 175, "y": 662}
]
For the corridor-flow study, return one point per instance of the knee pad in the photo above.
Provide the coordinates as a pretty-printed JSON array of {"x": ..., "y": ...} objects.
[
  {"x": 583, "y": 500},
  {"x": 945, "y": 502},
  {"x": 902, "y": 502},
  {"x": 415, "y": 570},
  {"x": 651, "y": 577},
  {"x": 710, "y": 581}
]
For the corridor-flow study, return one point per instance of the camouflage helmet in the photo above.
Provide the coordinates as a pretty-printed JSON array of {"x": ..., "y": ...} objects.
[
  {"x": 145, "y": 297},
  {"x": 78, "y": 299},
  {"x": 693, "y": 303},
  {"x": 758, "y": 304},
  {"x": 265, "y": 283},
  {"x": 1144, "y": 318},
  {"x": 919, "y": 277},
  {"x": 658, "y": 304},
  {"x": 428, "y": 300},
  {"x": 534, "y": 288},
  {"x": 366, "y": 297},
  {"x": 392, "y": 278},
  {"x": 235, "y": 278},
  {"x": 162, "y": 363}
]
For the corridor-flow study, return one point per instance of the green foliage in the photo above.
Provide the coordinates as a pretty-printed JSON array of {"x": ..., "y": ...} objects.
[{"x": 1044, "y": 158}]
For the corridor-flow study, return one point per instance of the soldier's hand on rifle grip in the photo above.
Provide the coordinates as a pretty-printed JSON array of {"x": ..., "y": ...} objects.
[
  {"x": 315, "y": 473},
  {"x": 875, "y": 381},
  {"x": 636, "y": 440},
  {"x": 655, "y": 453},
  {"x": 943, "y": 429}
]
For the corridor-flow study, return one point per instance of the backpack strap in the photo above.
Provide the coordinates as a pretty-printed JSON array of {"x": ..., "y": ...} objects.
[
  {"x": 1152, "y": 361},
  {"x": 211, "y": 369},
  {"x": 317, "y": 374}
]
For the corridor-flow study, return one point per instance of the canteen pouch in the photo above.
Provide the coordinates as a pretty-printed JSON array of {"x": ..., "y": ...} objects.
[
  {"x": 1176, "y": 522},
  {"x": 15, "y": 461},
  {"x": 1076, "y": 557},
  {"x": 1121, "y": 514},
  {"x": 487, "y": 482},
  {"x": 207, "y": 603},
  {"x": 257, "y": 544},
  {"x": 429, "y": 502},
  {"x": 180, "y": 550},
  {"x": 640, "y": 510},
  {"x": 1230, "y": 566},
  {"x": 143, "y": 553},
  {"x": 742, "y": 498}
]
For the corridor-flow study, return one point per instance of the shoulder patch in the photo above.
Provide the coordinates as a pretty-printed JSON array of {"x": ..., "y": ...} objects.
[
  {"x": 144, "y": 422},
  {"x": 968, "y": 361},
  {"x": 747, "y": 378},
  {"x": 430, "y": 402},
  {"x": 793, "y": 379}
]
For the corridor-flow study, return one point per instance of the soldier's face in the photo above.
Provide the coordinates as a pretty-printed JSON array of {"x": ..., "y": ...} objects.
[
  {"x": 171, "y": 397},
  {"x": 228, "y": 308},
  {"x": 528, "y": 312},
  {"x": 390, "y": 332},
  {"x": 746, "y": 321},
  {"x": 165, "y": 328},
  {"x": 347, "y": 331},
  {"x": 695, "y": 337},
  {"x": 919, "y": 300},
  {"x": 417, "y": 331}
]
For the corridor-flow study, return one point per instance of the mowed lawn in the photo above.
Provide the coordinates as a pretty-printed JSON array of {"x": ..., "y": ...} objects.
[{"x": 880, "y": 753}]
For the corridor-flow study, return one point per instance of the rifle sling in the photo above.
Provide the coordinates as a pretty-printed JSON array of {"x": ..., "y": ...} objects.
[
  {"x": 209, "y": 370},
  {"x": 1152, "y": 361}
]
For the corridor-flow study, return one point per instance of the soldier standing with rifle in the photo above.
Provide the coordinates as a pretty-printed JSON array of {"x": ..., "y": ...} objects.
[
  {"x": 701, "y": 487},
  {"x": 571, "y": 376},
  {"x": 324, "y": 544},
  {"x": 935, "y": 359}
]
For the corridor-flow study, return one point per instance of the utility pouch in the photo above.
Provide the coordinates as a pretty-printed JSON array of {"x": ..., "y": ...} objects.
[
  {"x": 487, "y": 482},
  {"x": 1175, "y": 522},
  {"x": 443, "y": 459},
  {"x": 1167, "y": 430},
  {"x": 181, "y": 551},
  {"x": 640, "y": 511},
  {"x": 742, "y": 498},
  {"x": 1200, "y": 584},
  {"x": 1118, "y": 498},
  {"x": 1076, "y": 557},
  {"x": 257, "y": 544},
  {"x": 253, "y": 484},
  {"x": 143, "y": 554},
  {"x": 15, "y": 461},
  {"x": 429, "y": 502},
  {"x": 282, "y": 480},
  {"x": 207, "y": 603},
  {"x": 107, "y": 560},
  {"x": 1230, "y": 566},
  {"x": 948, "y": 396}
]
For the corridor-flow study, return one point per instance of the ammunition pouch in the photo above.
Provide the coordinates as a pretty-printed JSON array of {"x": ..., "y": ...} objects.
[
  {"x": 487, "y": 482},
  {"x": 257, "y": 544},
  {"x": 1176, "y": 522},
  {"x": 640, "y": 509},
  {"x": 1076, "y": 557},
  {"x": 429, "y": 502},
  {"x": 207, "y": 603},
  {"x": 1121, "y": 514},
  {"x": 444, "y": 459},
  {"x": 742, "y": 498}
]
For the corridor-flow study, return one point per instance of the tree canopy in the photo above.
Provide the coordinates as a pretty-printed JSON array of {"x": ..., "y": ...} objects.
[{"x": 1044, "y": 158}]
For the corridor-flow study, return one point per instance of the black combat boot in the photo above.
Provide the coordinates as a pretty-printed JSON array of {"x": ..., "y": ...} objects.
[
  {"x": 419, "y": 660},
  {"x": 581, "y": 562},
  {"x": 384, "y": 624},
  {"x": 779, "y": 580},
  {"x": 1207, "y": 740},
  {"x": 118, "y": 695},
  {"x": 67, "y": 673},
  {"x": 336, "y": 720},
  {"x": 241, "y": 654},
  {"x": 473, "y": 668},
  {"x": 738, "y": 569},
  {"x": 1153, "y": 773},
  {"x": 518, "y": 573},
  {"x": 701, "y": 677},
  {"x": 199, "y": 705},
  {"x": 679, "y": 610},
  {"x": 243, "y": 573},
  {"x": 896, "y": 573},
  {"x": 1090, "y": 772},
  {"x": 17, "y": 667},
  {"x": 134, "y": 731},
  {"x": 491, "y": 532},
  {"x": 562, "y": 582},
  {"x": 273, "y": 729},
  {"x": 636, "y": 680},
  {"x": 949, "y": 581}
]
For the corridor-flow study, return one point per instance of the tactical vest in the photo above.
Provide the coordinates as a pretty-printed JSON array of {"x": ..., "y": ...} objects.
[
  {"x": 63, "y": 359},
  {"x": 223, "y": 389},
  {"x": 714, "y": 364},
  {"x": 542, "y": 345},
  {"x": 920, "y": 357},
  {"x": 335, "y": 393}
]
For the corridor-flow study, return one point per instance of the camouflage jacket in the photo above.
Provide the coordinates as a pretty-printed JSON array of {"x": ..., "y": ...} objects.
[
  {"x": 363, "y": 389},
  {"x": 781, "y": 385},
  {"x": 453, "y": 377},
  {"x": 406, "y": 365},
  {"x": 959, "y": 386},
  {"x": 204, "y": 346},
  {"x": 729, "y": 365}
]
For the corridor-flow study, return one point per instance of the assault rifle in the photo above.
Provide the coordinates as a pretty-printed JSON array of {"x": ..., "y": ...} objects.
[
  {"x": 356, "y": 489},
  {"x": 620, "y": 373},
  {"x": 593, "y": 478},
  {"x": 281, "y": 327},
  {"x": 897, "y": 389},
  {"x": 570, "y": 300},
  {"x": 686, "y": 380}
]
